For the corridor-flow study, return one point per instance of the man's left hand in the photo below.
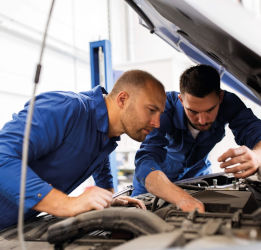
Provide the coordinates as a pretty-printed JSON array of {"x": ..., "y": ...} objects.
[
  {"x": 126, "y": 200},
  {"x": 245, "y": 161}
]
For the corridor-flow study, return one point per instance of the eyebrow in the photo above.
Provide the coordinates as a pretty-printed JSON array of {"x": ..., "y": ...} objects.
[{"x": 202, "y": 111}]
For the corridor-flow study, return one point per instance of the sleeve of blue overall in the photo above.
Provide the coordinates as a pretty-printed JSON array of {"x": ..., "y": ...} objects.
[
  {"x": 152, "y": 151},
  {"x": 245, "y": 126},
  {"x": 103, "y": 177},
  {"x": 48, "y": 129}
]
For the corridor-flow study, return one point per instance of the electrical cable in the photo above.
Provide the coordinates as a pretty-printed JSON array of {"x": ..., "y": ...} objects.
[
  {"x": 74, "y": 47},
  {"x": 109, "y": 19},
  {"x": 27, "y": 136}
]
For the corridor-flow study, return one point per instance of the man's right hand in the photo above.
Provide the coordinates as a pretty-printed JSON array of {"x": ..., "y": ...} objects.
[
  {"x": 59, "y": 204},
  {"x": 158, "y": 184},
  {"x": 187, "y": 204},
  {"x": 93, "y": 198}
]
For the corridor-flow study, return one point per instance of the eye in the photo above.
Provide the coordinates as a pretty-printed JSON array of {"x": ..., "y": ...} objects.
[
  {"x": 193, "y": 112},
  {"x": 210, "y": 110},
  {"x": 152, "y": 110}
]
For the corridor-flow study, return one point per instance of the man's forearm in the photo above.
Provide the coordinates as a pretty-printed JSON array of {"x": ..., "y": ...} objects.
[
  {"x": 60, "y": 204},
  {"x": 158, "y": 184},
  {"x": 55, "y": 203}
]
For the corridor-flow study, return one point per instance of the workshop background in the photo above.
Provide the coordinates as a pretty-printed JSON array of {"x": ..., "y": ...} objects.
[{"x": 66, "y": 62}]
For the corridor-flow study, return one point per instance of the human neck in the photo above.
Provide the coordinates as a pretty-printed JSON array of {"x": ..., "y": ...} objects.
[{"x": 115, "y": 128}]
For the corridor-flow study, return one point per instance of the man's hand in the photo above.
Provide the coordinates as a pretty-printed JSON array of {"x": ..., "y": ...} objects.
[
  {"x": 187, "y": 204},
  {"x": 93, "y": 198},
  {"x": 125, "y": 200},
  {"x": 158, "y": 184},
  {"x": 245, "y": 161},
  {"x": 59, "y": 204}
]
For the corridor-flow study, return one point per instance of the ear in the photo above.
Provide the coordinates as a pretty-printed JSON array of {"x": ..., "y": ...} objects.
[
  {"x": 221, "y": 96},
  {"x": 180, "y": 98},
  {"x": 122, "y": 99}
]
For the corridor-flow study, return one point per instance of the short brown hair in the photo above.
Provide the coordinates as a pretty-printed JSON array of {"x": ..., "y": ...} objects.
[
  {"x": 135, "y": 78},
  {"x": 200, "y": 80}
]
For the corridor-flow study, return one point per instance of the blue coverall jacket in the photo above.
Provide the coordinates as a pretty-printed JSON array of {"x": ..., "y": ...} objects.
[
  {"x": 173, "y": 150},
  {"x": 68, "y": 143}
]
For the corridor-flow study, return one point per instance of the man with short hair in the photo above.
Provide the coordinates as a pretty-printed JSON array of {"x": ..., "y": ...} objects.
[
  {"x": 71, "y": 138},
  {"x": 192, "y": 124}
]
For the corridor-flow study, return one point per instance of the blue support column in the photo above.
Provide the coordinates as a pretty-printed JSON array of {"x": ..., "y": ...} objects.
[{"x": 95, "y": 63}]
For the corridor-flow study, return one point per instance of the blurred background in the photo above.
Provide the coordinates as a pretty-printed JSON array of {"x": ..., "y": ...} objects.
[{"x": 66, "y": 62}]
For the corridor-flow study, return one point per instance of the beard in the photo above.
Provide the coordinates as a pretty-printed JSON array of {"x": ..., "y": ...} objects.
[
  {"x": 201, "y": 127},
  {"x": 136, "y": 135},
  {"x": 130, "y": 128},
  {"x": 133, "y": 127}
]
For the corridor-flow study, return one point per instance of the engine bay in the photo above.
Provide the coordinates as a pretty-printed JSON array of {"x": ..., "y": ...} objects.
[{"x": 232, "y": 217}]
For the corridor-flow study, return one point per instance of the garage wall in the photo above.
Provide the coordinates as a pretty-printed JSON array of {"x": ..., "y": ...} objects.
[{"x": 66, "y": 60}]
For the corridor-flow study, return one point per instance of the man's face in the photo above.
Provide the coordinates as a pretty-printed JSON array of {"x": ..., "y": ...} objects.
[
  {"x": 142, "y": 114},
  {"x": 201, "y": 112}
]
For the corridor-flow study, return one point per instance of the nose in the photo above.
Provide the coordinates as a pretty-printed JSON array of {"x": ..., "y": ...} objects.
[
  {"x": 155, "y": 121},
  {"x": 202, "y": 118}
]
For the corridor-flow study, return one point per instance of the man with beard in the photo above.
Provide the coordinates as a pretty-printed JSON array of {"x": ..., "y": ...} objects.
[
  {"x": 71, "y": 138},
  {"x": 193, "y": 122}
]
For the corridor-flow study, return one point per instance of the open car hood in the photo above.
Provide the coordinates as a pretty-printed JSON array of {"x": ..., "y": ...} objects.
[{"x": 210, "y": 33}]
